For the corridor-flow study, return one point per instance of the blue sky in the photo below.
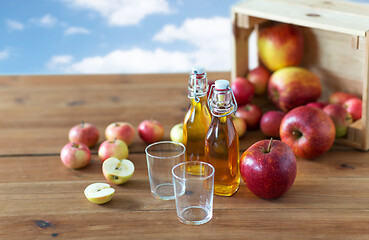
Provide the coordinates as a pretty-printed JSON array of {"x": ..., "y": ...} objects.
[{"x": 114, "y": 36}]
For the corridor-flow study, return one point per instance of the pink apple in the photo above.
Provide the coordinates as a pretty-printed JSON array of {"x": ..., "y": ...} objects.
[
  {"x": 251, "y": 114},
  {"x": 340, "y": 97},
  {"x": 240, "y": 126},
  {"x": 150, "y": 131},
  {"x": 270, "y": 123},
  {"x": 259, "y": 77},
  {"x": 320, "y": 105},
  {"x": 355, "y": 107},
  {"x": 268, "y": 168},
  {"x": 309, "y": 131},
  {"x": 340, "y": 117},
  {"x": 85, "y": 133},
  {"x": 113, "y": 148},
  {"x": 120, "y": 130},
  {"x": 280, "y": 46},
  {"x": 243, "y": 91},
  {"x": 75, "y": 155}
]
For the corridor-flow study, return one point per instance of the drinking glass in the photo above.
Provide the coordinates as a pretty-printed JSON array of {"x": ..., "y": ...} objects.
[
  {"x": 194, "y": 188},
  {"x": 161, "y": 158}
]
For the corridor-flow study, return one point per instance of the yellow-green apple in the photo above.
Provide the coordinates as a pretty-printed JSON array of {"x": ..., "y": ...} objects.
[
  {"x": 176, "y": 133},
  {"x": 243, "y": 91},
  {"x": 320, "y": 105},
  {"x": 251, "y": 114},
  {"x": 113, "y": 148},
  {"x": 355, "y": 107},
  {"x": 120, "y": 130},
  {"x": 86, "y": 133},
  {"x": 280, "y": 46},
  {"x": 309, "y": 131},
  {"x": 240, "y": 125},
  {"x": 270, "y": 123},
  {"x": 75, "y": 155},
  {"x": 340, "y": 97},
  {"x": 268, "y": 168},
  {"x": 259, "y": 77},
  {"x": 150, "y": 131},
  {"x": 293, "y": 86},
  {"x": 340, "y": 117},
  {"x": 118, "y": 171},
  {"x": 99, "y": 193}
]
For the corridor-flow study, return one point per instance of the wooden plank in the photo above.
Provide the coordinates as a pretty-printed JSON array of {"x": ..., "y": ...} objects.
[
  {"x": 250, "y": 223},
  {"x": 240, "y": 51},
  {"x": 338, "y": 70},
  {"x": 365, "y": 114},
  {"x": 38, "y": 111},
  {"x": 305, "y": 15}
]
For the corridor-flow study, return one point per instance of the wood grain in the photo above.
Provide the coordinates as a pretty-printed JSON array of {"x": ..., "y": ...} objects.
[{"x": 42, "y": 199}]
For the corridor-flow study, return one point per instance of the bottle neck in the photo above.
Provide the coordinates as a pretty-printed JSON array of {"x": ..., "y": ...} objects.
[
  {"x": 197, "y": 86},
  {"x": 222, "y": 103}
]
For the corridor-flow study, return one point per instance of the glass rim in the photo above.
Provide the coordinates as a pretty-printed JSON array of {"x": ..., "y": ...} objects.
[
  {"x": 196, "y": 178},
  {"x": 165, "y": 142}
]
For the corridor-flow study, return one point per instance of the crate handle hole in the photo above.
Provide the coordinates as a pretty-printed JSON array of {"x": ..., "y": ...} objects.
[{"x": 312, "y": 15}]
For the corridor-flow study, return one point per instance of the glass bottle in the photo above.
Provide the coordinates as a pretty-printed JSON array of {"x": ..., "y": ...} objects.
[
  {"x": 221, "y": 143},
  {"x": 197, "y": 119}
]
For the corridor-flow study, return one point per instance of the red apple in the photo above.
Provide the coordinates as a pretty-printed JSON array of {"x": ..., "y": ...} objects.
[
  {"x": 251, "y": 114},
  {"x": 268, "y": 168},
  {"x": 85, "y": 133},
  {"x": 293, "y": 86},
  {"x": 75, "y": 155},
  {"x": 320, "y": 105},
  {"x": 259, "y": 77},
  {"x": 340, "y": 117},
  {"x": 240, "y": 126},
  {"x": 150, "y": 131},
  {"x": 355, "y": 107},
  {"x": 340, "y": 97},
  {"x": 280, "y": 46},
  {"x": 210, "y": 83},
  {"x": 113, "y": 148},
  {"x": 270, "y": 123},
  {"x": 243, "y": 91},
  {"x": 309, "y": 131},
  {"x": 120, "y": 130}
]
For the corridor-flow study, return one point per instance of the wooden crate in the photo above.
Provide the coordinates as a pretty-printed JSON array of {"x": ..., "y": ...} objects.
[{"x": 336, "y": 35}]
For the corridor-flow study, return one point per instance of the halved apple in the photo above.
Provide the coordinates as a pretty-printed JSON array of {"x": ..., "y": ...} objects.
[
  {"x": 99, "y": 193},
  {"x": 118, "y": 171}
]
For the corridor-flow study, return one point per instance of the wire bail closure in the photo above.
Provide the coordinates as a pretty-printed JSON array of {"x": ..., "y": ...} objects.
[
  {"x": 195, "y": 94},
  {"x": 226, "y": 111}
]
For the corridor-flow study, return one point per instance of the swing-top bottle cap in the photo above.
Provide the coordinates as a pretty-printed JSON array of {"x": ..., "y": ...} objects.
[
  {"x": 197, "y": 70},
  {"x": 221, "y": 84}
]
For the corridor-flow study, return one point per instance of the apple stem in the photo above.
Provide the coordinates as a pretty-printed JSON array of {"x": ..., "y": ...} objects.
[
  {"x": 270, "y": 145},
  {"x": 82, "y": 123},
  {"x": 75, "y": 145}
]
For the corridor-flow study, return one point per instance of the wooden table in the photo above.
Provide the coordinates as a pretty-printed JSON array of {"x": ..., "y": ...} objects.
[{"x": 42, "y": 199}]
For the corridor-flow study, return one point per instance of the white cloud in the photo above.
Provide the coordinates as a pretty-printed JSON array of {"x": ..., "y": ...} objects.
[
  {"x": 46, "y": 21},
  {"x": 210, "y": 39},
  {"x": 201, "y": 32},
  {"x": 130, "y": 61},
  {"x": 14, "y": 25},
  {"x": 59, "y": 61},
  {"x": 122, "y": 12},
  {"x": 76, "y": 30},
  {"x": 4, "y": 54}
]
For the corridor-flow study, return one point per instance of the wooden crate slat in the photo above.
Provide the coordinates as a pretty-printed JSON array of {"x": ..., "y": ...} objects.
[{"x": 305, "y": 15}]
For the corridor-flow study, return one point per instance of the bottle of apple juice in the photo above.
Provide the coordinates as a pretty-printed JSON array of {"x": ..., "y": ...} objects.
[
  {"x": 221, "y": 143},
  {"x": 197, "y": 119}
]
